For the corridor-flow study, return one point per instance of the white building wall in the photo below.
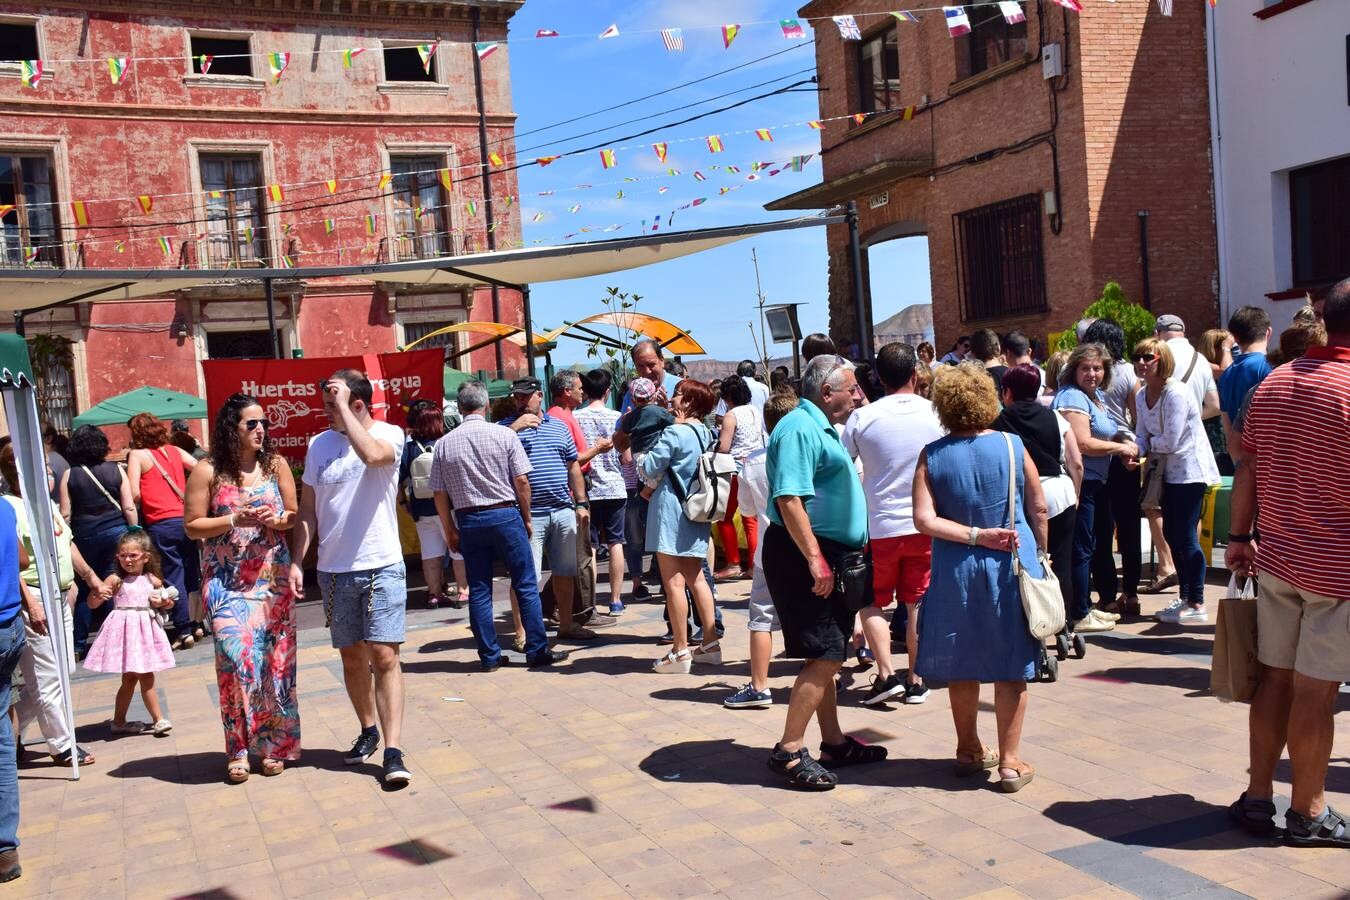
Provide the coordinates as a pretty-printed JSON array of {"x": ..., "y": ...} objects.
[{"x": 1282, "y": 103}]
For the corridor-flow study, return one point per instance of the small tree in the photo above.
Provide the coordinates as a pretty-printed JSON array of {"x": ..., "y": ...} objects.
[
  {"x": 616, "y": 357},
  {"x": 1134, "y": 320}
]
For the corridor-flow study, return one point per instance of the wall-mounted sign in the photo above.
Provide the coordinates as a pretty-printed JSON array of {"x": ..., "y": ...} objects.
[{"x": 879, "y": 200}]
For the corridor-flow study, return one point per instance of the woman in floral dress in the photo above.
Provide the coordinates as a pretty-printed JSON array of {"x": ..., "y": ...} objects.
[{"x": 241, "y": 502}]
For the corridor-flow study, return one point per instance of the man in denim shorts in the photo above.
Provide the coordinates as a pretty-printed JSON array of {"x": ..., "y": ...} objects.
[{"x": 350, "y": 503}]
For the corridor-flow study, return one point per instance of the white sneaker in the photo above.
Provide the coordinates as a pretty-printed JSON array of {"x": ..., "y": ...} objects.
[
  {"x": 1092, "y": 623},
  {"x": 708, "y": 654},
  {"x": 161, "y": 728},
  {"x": 674, "y": 663},
  {"x": 1193, "y": 615},
  {"x": 1170, "y": 613}
]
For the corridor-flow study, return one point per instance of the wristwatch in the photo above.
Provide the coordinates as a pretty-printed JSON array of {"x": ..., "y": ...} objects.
[
  {"x": 582, "y": 504},
  {"x": 1239, "y": 538},
  {"x": 973, "y": 538}
]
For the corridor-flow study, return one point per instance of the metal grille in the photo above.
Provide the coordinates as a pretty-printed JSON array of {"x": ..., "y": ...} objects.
[
  {"x": 414, "y": 330},
  {"x": 55, "y": 396},
  {"x": 1000, "y": 270}
]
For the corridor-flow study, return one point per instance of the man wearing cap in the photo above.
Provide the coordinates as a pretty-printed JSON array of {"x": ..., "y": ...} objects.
[
  {"x": 1189, "y": 369},
  {"x": 558, "y": 504}
]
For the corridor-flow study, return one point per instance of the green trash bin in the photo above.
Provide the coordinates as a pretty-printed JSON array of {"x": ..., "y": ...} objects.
[{"x": 1223, "y": 508}]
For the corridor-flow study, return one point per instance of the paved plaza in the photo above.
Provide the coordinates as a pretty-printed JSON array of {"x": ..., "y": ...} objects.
[{"x": 600, "y": 779}]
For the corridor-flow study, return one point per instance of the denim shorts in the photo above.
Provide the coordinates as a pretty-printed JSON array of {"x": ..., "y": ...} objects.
[
  {"x": 365, "y": 606},
  {"x": 555, "y": 531}
]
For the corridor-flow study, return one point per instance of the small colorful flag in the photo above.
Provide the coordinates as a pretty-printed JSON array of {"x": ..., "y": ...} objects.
[
  {"x": 166, "y": 246},
  {"x": 417, "y": 212},
  {"x": 575, "y": 208},
  {"x": 384, "y": 181},
  {"x": 611, "y": 31},
  {"x": 752, "y": 177},
  {"x": 607, "y": 159},
  {"x": 6, "y": 209},
  {"x": 619, "y": 195},
  {"x": 662, "y": 190},
  {"x": 792, "y": 29},
  {"x": 426, "y": 51},
  {"x": 699, "y": 202},
  {"x": 724, "y": 190},
  {"x": 545, "y": 160},
  {"x": 546, "y": 193},
  {"x": 537, "y": 217},
  {"x": 508, "y": 200},
  {"x": 204, "y": 63},
  {"x": 120, "y": 246},
  {"x": 797, "y": 163},
  {"x": 907, "y": 113},
  {"x": 673, "y": 38},
  {"x": 285, "y": 261},
  {"x": 672, "y": 172},
  {"x": 734, "y": 170},
  {"x": 699, "y": 176},
  {"x": 117, "y": 68},
  {"x": 496, "y": 158},
  {"x": 1077, "y": 5},
  {"x": 903, "y": 16},
  {"x": 661, "y": 150},
  {"x": 370, "y": 222},
  {"x": 714, "y": 144},
  {"x": 957, "y": 23},
  {"x": 859, "y": 118},
  {"x": 278, "y": 62},
  {"x": 1012, "y": 11},
  {"x": 30, "y": 254},
  {"x": 447, "y": 179},
  {"x": 631, "y": 178},
  {"x": 329, "y": 225},
  {"x": 729, "y": 33},
  {"x": 484, "y": 49},
  {"x": 79, "y": 211},
  {"x": 349, "y": 56},
  {"x": 471, "y": 208},
  {"x": 764, "y": 134},
  {"x": 215, "y": 195},
  {"x": 815, "y": 125},
  {"x": 286, "y": 227},
  {"x": 545, "y": 32},
  {"x": 30, "y": 72},
  {"x": 146, "y": 202},
  {"x": 275, "y": 193},
  {"x": 848, "y": 28},
  {"x": 247, "y": 234},
  {"x": 331, "y": 184}
]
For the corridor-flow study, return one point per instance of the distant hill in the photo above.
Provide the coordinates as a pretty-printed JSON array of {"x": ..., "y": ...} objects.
[
  {"x": 911, "y": 325},
  {"x": 708, "y": 369}
]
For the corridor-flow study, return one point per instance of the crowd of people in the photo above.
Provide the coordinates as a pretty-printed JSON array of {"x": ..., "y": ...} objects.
[{"x": 936, "y": 485}]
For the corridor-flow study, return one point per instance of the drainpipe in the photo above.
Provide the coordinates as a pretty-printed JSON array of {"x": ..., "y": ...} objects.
[
  {"x": 272, "y": 318},
  {"x": 1143, "y": 256},
  {"x": 487, "y": 191},
  {"x": 1216, "y": 162}
]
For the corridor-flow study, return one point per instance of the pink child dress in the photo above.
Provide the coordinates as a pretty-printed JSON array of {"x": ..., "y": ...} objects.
[{"x": 131, "y": 639}]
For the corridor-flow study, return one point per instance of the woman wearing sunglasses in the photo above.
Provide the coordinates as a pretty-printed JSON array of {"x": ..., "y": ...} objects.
[
  {"x": 1172, "y": 437},
  {"x": 241, "y": 502}
]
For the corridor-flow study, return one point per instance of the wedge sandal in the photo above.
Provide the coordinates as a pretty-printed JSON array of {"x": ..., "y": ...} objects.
[{"x": 974, "y": 765}]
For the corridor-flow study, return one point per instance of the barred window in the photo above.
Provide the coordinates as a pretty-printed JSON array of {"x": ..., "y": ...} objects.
[
  {"x": 30, "y": 225},
  {"x": 1000, "y": 270},
  {"x": 236, "y": 234},
  {"x": 1319, "y": 214}
]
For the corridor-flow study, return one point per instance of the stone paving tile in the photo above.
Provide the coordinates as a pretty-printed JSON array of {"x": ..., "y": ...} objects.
[{"x": 576, "y": 782}]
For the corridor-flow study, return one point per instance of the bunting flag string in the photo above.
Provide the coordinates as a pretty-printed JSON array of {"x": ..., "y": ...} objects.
[
  {"x": 277, "y": 63},
  {"x": 545, "y": 33},
  {"x": 792, "y": 29},
  {"x": 484, "y": 49},
  {"x": 848, "y": 28},
  {"x": 425, "y": 52},
  {"x": 204, "y": 63},
  {"x": 117, "y": 69},
  {"x": 714, "y": 144},
  {"x": 79, "y": 211},
  {"x": 275, "y": 193},
  {"x": 608, "y": 159},
  {"x": 545, "y": 160},
  {"x": 1012, "y": 11},
  {"x": 673, "y": 38},
  {"x": 957, "y": 23},
  {"x": 332, "y": 185},
  {"x": 764, "y": 134},
  {"x": 610, "y": 32},
  {"x": 495, "y": 159},
  {"x": 661, "y": 149},
  {"x": 729, "y": 33},
  {"x": 146, "y": 203},
  {"x": 904, "y": 16},
  {"x": 30, "y": 72},
  {"x": 349, "y": 56}
]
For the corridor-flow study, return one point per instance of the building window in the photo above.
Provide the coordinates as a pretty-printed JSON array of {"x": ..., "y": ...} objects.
[
  {"x": 255, "y": 344},
  {"x": 235, "y": 231},
  {"x": 421, "y": 225},
  {"x": 999, "y": 267},
  {"x": 879, "y": 72},
  {"x": 19, "y": 40},
  {"x": 30, "y": 225},
  {"x": 413, "y": 331},
  {"x": 229, "y": 55},
  {"x": 1319, "y": 215},
  {"x": 404, "y": 63},
  {"x": 990, "y": 43},
  {"x": 54, "y": 379}
]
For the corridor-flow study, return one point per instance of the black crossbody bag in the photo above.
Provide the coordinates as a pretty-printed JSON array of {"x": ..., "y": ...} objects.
[{"x": 852, "y": 573}]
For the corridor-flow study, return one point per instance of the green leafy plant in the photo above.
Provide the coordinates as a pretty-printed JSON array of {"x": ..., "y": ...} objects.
[
  {"x": 1136, "y": 321},
  {"x": 617, "y": 358}
]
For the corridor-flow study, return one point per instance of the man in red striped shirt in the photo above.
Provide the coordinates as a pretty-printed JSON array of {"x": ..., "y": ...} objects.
[{"x": 1298, "y": 422}]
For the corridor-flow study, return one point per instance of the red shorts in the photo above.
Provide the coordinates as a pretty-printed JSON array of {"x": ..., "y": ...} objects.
[{"x": 900, "y": 568}]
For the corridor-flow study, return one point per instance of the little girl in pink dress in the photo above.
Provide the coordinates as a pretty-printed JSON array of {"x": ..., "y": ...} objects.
[{"x": 132, "y": 640}]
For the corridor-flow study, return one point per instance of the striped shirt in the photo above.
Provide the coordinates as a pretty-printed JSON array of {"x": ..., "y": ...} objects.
[
  {"x": 551, "y": 451},
  {"x": 476, "y": 464},
  {"x": 1298, "y": 424}
]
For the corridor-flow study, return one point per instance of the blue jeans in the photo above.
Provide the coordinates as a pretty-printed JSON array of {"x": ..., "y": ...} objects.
[
  {"x": 1091, "y": 501},
  {"x": 11, "y": 648},
  {"x": 635, "y": 534},
  {"x": 485, "y": 536},
  {"x": 1181, "y": 505},
  {"x": 179, "y": 561},
  {"x": 99, "y": 550}
]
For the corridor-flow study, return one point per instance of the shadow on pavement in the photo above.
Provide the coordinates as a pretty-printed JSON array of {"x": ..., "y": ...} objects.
[
  {"x": 182, "y": 768},
  {"x": 1162, "y": 639},
  {"x": 1187, "y": 678},
  {"x": 1179, "y": 819}
]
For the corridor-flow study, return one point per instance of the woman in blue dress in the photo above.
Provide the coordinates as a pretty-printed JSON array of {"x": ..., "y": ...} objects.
[
  {"x": 681, "y": 544},
  {"x": 972, "y": 628}
]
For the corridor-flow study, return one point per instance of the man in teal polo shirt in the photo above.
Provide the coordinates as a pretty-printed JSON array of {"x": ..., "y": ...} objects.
[{"x": 817, "y": 513}]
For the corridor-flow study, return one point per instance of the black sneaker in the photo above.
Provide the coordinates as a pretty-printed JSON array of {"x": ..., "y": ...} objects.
[
  {"x": 362, "y": 748},
  {"x": 916, "y": 694},
  {"x": 547, "y": 658},
  {"x": 395, "y": 772},
  {"x": 884, "y": 689}
]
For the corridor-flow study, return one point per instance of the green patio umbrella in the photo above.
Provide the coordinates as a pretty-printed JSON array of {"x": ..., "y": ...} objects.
[{"x": 163, "y": 404}]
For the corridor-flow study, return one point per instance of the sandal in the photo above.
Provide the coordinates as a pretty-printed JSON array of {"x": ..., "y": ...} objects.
[
  {"x": 272, "y": 767},
  {"x": 1025, "y": 775},
  {"x": 852, "y": 752},
  {"x": 1256, "y": 817},
  {"x": 973, "y": 765},
  {"x": 63, "y": 758},
  {"x": 1158, "y": 585},
  {"x": 198, "y": 630},
  {"x": 1330, "y": 829},
  {"x": 807, "y": 774},
  {"x": 237, "y": 771}
]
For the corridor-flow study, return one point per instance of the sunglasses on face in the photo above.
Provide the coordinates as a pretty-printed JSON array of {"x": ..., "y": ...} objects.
[
  {"x": 1144, "y": 357},
  {"x": 251, "y": 424}
]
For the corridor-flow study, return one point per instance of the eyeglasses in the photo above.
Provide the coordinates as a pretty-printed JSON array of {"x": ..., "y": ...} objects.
[
  {"x": 251, "y": 424},
  {"x": 1144, "y": 357}
]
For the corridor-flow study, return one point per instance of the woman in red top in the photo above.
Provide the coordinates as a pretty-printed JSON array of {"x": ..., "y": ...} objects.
[{"x": 158, "y": 471}]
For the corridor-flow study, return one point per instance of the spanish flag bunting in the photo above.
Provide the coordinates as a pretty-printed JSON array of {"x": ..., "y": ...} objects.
[
  {"x": 545, "y": 160},
  {"x": 166, "y": 246},
  {"x": 331, "y": 185},
  {"x": 714, "y": 144},
  {"x": 425, "y": 52},
  {"x": 764, "y": 134},
  {"x": 661, "y": 149},
  {"x": 117, "y": 69},
  {"x": 278, "y": 62},
  {"x": 204, "y": 63},
  {"x": 607, "y": 159},
  {"x": 496, "y": 159},
  {"x": 349, "y": 56},
  {"x": 447, "y": 180},
  {"x": 729, "y": 33},
  {"x": 699, "y": 176},
  {"x": 6, "y": 209},
  {"x": 907, "y": 113},
  {"x": 216, "y": 195},
  {"x": 275, "y": 193},
  {"x": 860, "y": 117},
  {"x": 384, "y": 181},
  {"x": 815, "y": 124},
  {"x": 30, "y": 72},
  {"x": 146, "y": 203},
  {"x": 329, "y": 225},
  {"x": 79, "y": 211}
]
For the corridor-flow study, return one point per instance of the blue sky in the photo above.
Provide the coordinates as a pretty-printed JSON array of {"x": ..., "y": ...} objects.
[{"x": 710, "y": 294}]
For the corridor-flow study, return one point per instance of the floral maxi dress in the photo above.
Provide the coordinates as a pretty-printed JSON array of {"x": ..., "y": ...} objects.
[{"x": 245, "y": 573}]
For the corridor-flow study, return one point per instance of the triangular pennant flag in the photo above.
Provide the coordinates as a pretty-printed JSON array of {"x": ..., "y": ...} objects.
[
  {"x": 848, "y": 28},
  {"x": 425, "y": 52},
  {"x": 117, "y": 69},
  {"x": 699, "y": 176},
  {"x": 957, "y": 23},
  {"x": 1077, "y": 5},
  {"x": 79, "y": 211},
  {"x": 764, "y": 134},
  {"x": 278, "y": 62},
  {"x": 370, "y": 222},
  {"x": 30, "y": 72},
  {"x": 146, "y": 203},
  {"x": 204, "y": 63},
  {"x": 729, "y": 33},
  {"x": 545, "y": 160},
  {"x": 661, "y": 150},
  {"x": 792, "y": 29},
  {"x": 673, "y": 38},
  {"x": 120, "y": 246},
  {"x": 619, "y": 195},
  {"x": 715, "y": 144},
  {"x": 815, "y": 124},
  {"x": 859, "y": 118},
  {"x": 905, "y": 16},
  {"x": 331, "y": 185},
  {"x": 349, "y": 56},
  {"x": 608, "y": 159},
  {"x": 447, "y": 179},
  {"x": 1012, "y": 11},
  {"x": 166, "y": 246},
  {"x": 545, "y": 32},
  {"x": 537, "y": 217},
  {"x": 471, "y": 208},
  {"x": 496, "y": 159},
  {"x": 384, "y": 181},
  {"x": 484, "y": 49},
  {"x": 611, "y": 31},
  {"x": 329, "y": 225},
  {"x": 275, "y": 193},
  {"x": 575, "y": 208}
]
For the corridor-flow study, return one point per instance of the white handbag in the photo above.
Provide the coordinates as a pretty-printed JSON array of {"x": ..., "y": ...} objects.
[{"x": 1041, "y": 597}]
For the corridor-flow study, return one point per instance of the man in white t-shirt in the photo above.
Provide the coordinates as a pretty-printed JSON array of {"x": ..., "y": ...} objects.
[
  {"x": 1200, "y": 379},
  {"x": 887, "y": 437},
  {"x": 350, "y": 502},
  {"x": 759, "y": 392}
]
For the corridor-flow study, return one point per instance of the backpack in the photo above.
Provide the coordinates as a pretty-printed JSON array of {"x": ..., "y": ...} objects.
[
  {"x": 706, "y": 498},
  {"x": 419, "y": 473}
]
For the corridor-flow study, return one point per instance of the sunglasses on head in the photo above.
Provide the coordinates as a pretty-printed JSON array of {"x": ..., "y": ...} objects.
[
  {"x": 251, "y": 424},
  {"x": 1144, "y": 357}
]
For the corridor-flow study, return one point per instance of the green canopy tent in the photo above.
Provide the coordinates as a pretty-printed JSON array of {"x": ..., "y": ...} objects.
[
  {"x": 161, "y": 403},
  {"x": 497, "y": 387},
  {"x": 20, "y": 400}
]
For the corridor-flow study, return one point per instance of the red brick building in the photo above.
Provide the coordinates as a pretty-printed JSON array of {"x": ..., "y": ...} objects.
[
  {"x": 1033, "y": 191},
  {"x": 330, "y": 164}
]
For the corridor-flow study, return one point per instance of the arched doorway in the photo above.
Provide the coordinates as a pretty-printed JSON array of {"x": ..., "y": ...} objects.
[{"x": 899, "y": 285}]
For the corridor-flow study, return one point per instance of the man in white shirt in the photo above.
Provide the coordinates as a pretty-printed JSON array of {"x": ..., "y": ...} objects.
[
  {"x": 350, "y": 503},
  {"x": 1191, "y": 369},
  {"x": 887, "y": 437}
]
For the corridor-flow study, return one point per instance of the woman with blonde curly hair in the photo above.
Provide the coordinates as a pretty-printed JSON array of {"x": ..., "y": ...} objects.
[{"x": 972, "y": 628}]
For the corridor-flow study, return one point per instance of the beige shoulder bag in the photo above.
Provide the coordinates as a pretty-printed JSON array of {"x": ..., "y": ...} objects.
[{"x": 1041, "y": 597}]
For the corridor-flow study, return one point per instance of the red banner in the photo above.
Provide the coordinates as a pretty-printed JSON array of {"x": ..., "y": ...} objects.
[{"x": 288, "y": 389}]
